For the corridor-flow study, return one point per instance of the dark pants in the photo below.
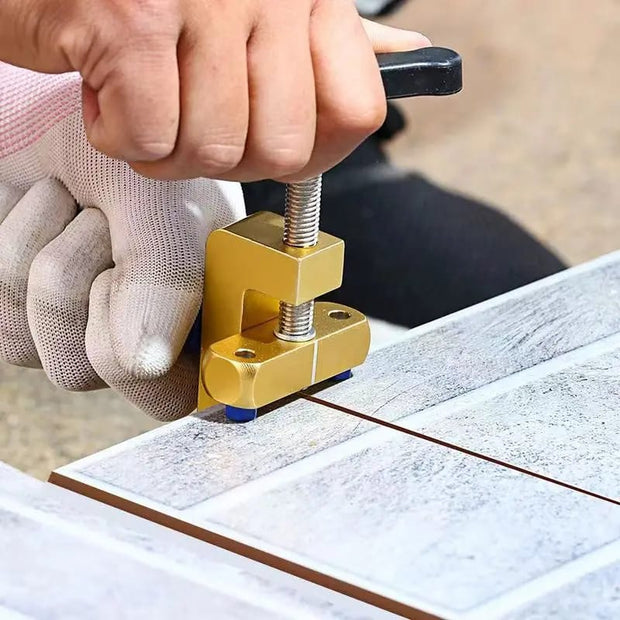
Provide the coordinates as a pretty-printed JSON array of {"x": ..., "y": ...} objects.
[{"x": 414, "y": 252}]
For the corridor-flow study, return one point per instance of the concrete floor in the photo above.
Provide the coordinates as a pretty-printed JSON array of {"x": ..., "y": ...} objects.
[{"x": 535, "y": 132}]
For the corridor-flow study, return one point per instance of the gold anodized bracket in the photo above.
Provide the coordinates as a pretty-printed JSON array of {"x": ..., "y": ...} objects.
[{"x": 248, "y": 271}]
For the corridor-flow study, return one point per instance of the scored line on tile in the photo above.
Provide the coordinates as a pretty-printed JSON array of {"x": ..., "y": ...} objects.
[
  {"x": 451, "y": 446},
  {"x": 502, "y": 385}
]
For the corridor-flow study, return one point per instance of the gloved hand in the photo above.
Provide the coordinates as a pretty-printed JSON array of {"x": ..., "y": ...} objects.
[{"x": 101, "y": 269}]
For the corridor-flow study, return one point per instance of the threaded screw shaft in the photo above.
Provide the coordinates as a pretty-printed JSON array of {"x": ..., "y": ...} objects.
[
  {"x": 302, "y": 213},
  {"x": 301, "y": 230}
]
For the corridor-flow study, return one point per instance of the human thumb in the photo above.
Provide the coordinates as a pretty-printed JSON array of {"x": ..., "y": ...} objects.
[{"x": 387, "y": 39}]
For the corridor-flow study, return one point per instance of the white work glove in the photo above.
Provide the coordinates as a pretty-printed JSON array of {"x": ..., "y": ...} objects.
[{"x": 101, "y": 270}]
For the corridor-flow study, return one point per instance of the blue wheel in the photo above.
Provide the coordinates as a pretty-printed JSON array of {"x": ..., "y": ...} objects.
[
  {"x": 237, "y": 414},
  {"x": 343, "y": 376}
]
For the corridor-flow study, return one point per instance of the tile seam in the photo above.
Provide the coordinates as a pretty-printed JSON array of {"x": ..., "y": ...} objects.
[
  {"x": 222, "y": 583},
  {"x": 550, "y": 582}
]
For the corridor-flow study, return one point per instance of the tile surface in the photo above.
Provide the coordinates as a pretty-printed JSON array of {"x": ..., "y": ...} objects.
[
  {"x": 115, "y": 581},
  {"x": 529, "y": 378},
  {"x": 553, "y": 407},
  {"x": 198, "y": 458},
  {"x": 482, "y": 344},
  {"x": 593, "y": 597},
  {"x": 419, "y": 521},
  {"x": 420, "y": 524},
  {"x": 87, "y": 560},
  {"x": 430, "y": 366},
  {"x": 564, "y": 425},
  {"x": 224, "y": 455}
]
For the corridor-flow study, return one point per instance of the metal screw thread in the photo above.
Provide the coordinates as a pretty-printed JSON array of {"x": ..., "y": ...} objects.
[
  {"x": 296, "y": 322},
  {"x": 301, "y": 230},
  {"x": 302, "y": 213}
]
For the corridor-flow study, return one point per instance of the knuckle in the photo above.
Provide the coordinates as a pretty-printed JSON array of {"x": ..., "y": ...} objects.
[
  {"x": 46, "y": 274},
  {"x": 72, "y": 377},
  {"x": 363, "y": 117},
  {"x": 281, "y": 158},
  {"x": 149, "y": 15},
  {"x": 133, "y": 148},
  {"x": 76, "y": 39},
  {"x": 145, "y": 149},
  {"x": 216, "y": 158}
]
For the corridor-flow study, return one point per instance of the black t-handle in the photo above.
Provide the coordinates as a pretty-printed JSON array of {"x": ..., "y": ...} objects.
[{"x": 427, "y": 71}]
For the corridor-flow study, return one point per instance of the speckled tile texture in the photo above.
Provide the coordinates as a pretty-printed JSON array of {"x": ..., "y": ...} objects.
[
  {"x": 243, "y": 452},
  {"x": 593, "y": 597},
  {"x": 473, "y": 348},
  {"x": 201, "y": 458},
  {"x": 67, "y": 557},
  {"x": 564, "y": 425},
  {"x": 422, "y": 522},
  {"x": 430, "y": 366}
]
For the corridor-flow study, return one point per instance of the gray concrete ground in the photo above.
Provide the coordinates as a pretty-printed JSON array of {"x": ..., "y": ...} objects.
[
  {"x": 535, "y": 132},
  {"x": 536, "y": 129}
]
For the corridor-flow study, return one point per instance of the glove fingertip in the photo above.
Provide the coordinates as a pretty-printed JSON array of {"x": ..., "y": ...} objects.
[{"x": 152, "y": 357}]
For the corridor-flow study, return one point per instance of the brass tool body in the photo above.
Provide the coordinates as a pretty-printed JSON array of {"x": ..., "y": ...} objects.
[
  {"x": 248, "y": 272},
  {"x": 263, "y": 336}
]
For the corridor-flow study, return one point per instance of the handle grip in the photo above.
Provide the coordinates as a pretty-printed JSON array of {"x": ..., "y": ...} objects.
[{"x": 432, "y": 71}]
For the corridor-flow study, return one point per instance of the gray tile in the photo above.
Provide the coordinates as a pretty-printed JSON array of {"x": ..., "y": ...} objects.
[
  {"x": 200, "y": 458},
  {"x": 49, "y": 573},
  {"x": 423, "y": 525},
  {"x": 528, "y": 377},
  {"x": 416, "y": 522},
  {"x": 595, "y": 596},
  {"x": 564, "y": 425},
  {"x": 473, "y": 348},
  {"x": 66, "y": 556}
]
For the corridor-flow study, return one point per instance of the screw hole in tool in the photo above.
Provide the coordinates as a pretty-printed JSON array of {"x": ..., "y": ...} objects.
[
  {"x": 339, "y": 315},
  {"x": 246, "y": 354}
]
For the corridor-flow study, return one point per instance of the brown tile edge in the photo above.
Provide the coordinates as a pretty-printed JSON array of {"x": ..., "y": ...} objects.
[{"x": 239, "y": 548}]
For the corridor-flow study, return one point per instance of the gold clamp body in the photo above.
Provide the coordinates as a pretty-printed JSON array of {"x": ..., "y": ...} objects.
[{"x": 248, "y": 271}]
